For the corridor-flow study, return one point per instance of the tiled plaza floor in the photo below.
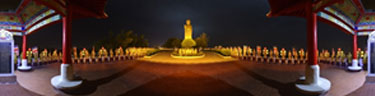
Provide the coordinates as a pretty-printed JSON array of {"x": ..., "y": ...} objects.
[
  {"x": 368, "y": 89},
  {"x": 234, "y": 78},
  {"x": 14, "y": 90}
]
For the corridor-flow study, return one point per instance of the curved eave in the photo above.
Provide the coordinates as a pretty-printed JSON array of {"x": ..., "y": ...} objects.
[
  {"x": 18, "y": 25},
  {"x": 334, "y": 25},
  {"x": 324, "y": 4},
  {"x": 351, "y": 26},
  {"x": 47, "y": 21},
  {"x": 39, "y": 28},
  {"x": 297, "y": 8},
  {"x": 82, "y": 8},
  {"x": 359, "y": 32},
  {"x": 53, "y": 4},
  {"x": 16, "y": 33},
  {"x": 41, "y": 20}
]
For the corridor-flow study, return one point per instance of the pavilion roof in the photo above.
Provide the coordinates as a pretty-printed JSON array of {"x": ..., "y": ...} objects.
[
  {"x": 31, "y": 15},
  {"x": 350, "y": 16}
]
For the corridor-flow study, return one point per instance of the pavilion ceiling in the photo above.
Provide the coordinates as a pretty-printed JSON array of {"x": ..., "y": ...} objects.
[
  {"x": 350, "y": 16},
  {"x": 22, "y": 17}
]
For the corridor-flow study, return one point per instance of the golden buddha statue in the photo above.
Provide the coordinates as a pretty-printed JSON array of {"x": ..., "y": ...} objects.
[
  {"x": 290, "y": 57},
  {"x": 258, "y": 53},
  {"x": 326, "y": 55},
  {"x": 339, "y": 56},
  {"x": 102, "y": 54},
  {"x": 55, "y": 55},
  {"x": 301, "y": 53},
  {"x": 332, "y": 59},
  {"x": 29, "y": 55},
  {"x": 188, "y": 41},
  {"x": 60, "y": 56},
  {"x": 83, "y": 55},
  {"x": 283, "y": 55},
  {"x": 118, "y": 53},
  {"x": 244, "y": 49},
  {"x": 93, "y": 55},
  {"x": 349, "y": 57},
  {"x": 265, "y": 54},
  {"x": 110, "y": 57},
  {"x": 43, "y": 55},
  {"x": 275, "y": 54}
]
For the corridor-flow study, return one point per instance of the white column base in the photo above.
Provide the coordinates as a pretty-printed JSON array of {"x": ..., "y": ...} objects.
[
  {"x": 24, "y": 66},
  {"x": 313, "y": 83},
  {"x": 354, "y": 66},
  {"x": 65, "y": 79}
]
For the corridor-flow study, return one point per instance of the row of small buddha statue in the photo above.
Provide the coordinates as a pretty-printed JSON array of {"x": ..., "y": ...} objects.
[
  {"x": 114, "y": 55},
  {"x": 83, "y": 56},
  {"x": 188, "y": 51},
  {"x": 292, "y": 56}
]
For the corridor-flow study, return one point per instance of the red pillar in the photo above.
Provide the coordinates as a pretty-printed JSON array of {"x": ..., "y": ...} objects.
[
  {"x": 24, "y": 47},
  {"x": 312, "y": 82},
  {"x": 312, "y": 46},
  {"x": 66, "y": 79},
  {"x": 67, "y": 32},
  {"x": 355, "y": 45}
]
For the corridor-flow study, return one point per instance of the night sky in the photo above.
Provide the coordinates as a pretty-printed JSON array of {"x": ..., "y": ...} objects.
[{"x": 227, "y": 23}]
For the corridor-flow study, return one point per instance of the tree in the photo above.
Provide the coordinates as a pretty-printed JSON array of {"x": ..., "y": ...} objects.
[
  {"x": 172, "y": 43},
  {"x": 202, "y": 40},
  {"x": 188, "y": 43},
  {"x": 123, "y": 39}
]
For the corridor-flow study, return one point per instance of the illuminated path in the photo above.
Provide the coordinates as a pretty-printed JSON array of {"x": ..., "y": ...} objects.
[{"x": 141, "y": 78}]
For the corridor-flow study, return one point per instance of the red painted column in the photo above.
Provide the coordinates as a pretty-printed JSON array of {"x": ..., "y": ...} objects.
[
  {"x": 312, "y": 42},
  {"x": 67, "y": 32},
  {"x": 355, "y": 46},
  {"x": 24, "y": 47},
  {"x": 312, "y": 83}
]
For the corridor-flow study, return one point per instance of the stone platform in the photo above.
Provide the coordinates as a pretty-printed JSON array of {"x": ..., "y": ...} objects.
[
  {"x": 164, "y": 57},
  {"x": 226, "y": 78},
  {"x": 140, "y": 78}
]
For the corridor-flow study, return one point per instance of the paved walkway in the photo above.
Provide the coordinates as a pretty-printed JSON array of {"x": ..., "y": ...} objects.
[
  {"x": 234, "y": 78},
  {"x": 15, "y": 90},
  {"x": 368, "y": 89}
]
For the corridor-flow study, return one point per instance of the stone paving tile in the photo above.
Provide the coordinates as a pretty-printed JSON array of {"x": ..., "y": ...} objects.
[
  {"x": 139, "y": 78},
  {"x": 367, "y": 89},
  {"x": 15, "y": 90},
  {"x": 186, "y": 84}
]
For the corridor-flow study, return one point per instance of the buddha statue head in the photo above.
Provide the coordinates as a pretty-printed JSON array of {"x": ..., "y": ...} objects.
[{"x": 188, "y": 22}]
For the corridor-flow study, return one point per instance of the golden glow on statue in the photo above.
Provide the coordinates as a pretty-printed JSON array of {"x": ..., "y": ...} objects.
[
  {"x": 188, "y": 29},
  {"x": 188, "y": 41}
]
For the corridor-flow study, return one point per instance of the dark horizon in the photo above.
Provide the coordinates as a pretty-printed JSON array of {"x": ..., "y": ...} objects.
[{"x": 227, "y": 23}]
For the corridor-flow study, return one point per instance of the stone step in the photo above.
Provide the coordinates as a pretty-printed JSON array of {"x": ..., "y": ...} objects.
[
  {"x": 370, "y": 79},
  {"x": 8, "y": 79}
]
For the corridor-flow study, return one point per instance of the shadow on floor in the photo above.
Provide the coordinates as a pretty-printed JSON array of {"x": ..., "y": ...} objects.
[
  {"x": 186, "y": 84},
  {"x": 285, "y": 89},
  {"x": 91, "y": 86}
]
